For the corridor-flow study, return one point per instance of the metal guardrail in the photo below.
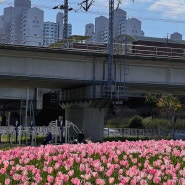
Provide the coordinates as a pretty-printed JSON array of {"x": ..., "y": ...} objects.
[
  {"x": 144, "y": 133},
  {"x": 15, "y": 134},
  {"x": 96, "y": 47},
  {"x": 30, "y": 135},
  {"x": 12, "y": 134}
]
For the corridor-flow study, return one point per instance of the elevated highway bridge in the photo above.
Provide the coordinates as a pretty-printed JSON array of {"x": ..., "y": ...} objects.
[
  {"x": 23, "y": 66},
  {"x": 80, "y": 76}
]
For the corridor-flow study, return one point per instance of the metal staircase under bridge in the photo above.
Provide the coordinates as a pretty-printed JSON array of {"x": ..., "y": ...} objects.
[{"x": 99, "y": 95}]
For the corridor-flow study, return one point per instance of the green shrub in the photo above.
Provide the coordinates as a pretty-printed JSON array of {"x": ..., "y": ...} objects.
[
  {"x": 109, "y": 123},
  {"x": 136, "y": 122},
  {"x": 179, "y": 125},
  {"x": 157, "y": 123},
  {"x": 148, "y": 123},
  {"x": 124, "y": 123}
]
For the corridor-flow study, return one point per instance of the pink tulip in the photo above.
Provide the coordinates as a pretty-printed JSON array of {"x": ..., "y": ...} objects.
[
  {"x": 111, "y": 180},
  {"x": 87, "y": 183},
  {"x": 50, "y": 170},
  {"x": 143, "y": 182},
  {"x": 182, "y": 181},
  {"x": 76, "y": 181},
  {"x": 50, "y": 178},
  {"x": 100, "y": 181},
  {"x": 71, "y": 173},
  {"x": 109, "y": 172},
  {"x": 7, "y": 181},
  {"x": 157, "y": 180}
]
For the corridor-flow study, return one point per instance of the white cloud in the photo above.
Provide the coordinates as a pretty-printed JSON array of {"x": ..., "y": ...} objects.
[{"x": 169, "y": 8}]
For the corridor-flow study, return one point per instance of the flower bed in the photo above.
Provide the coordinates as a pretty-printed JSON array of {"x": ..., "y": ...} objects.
[{"x": 141, "y": 162}]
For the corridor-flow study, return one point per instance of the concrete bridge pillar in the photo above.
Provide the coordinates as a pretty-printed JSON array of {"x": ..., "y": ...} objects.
[{"x": 89, "y": 120}]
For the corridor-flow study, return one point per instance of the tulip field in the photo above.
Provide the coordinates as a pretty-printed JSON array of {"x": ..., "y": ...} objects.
[{"x": 118, "y": 163}]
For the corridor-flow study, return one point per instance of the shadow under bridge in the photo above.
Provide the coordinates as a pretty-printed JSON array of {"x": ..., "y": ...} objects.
[{"x": 98, "y": 95}]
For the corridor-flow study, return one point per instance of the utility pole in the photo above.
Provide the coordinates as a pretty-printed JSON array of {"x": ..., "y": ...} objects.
[
  {"x": 65, "y": 19},
  {"x": 66, "y": 8},
  {"x": 86, "y": 5},
  {"x": 110, "y": 41}
]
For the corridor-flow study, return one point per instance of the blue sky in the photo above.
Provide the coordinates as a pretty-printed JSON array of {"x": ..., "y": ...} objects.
[{"x": 159, "y": 18}]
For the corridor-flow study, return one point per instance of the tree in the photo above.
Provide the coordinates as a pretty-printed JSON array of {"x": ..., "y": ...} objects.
[
  {"x": 152, "y": 100},
  {"x": 169, "y": 104}
]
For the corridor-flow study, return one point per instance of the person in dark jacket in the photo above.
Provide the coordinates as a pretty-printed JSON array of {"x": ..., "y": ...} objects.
[{"x": 48, "y": 139}]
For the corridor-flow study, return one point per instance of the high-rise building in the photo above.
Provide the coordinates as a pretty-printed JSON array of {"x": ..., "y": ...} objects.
[
  {"x": 2, "y": 35},
  {"x": 25, "y": 25},
  {"x": 15, "y": 24},
  {"x": 32, "y": 27},
  {"x": 121, "y": 26},
  {"x": 130, "y": 27},
  {"x": 59, "y": 21},
  {"x": 53, "y": 32},
  {"x": 119, "y": 16},
  {"x": 22, "y": 4},
  {"x": 100, "y": 24},
  {"x": 176, "y": 36},
  {"x": 89, "y": 30},
  {"x": 8, "y": 17},
  {"x": 105, "y": 35},
  {"x": 1, "y": 24},
  {"x": 12, "y": 20},
  {"x": 69, "y": 30},
  {"x": 50, "y": 33}
]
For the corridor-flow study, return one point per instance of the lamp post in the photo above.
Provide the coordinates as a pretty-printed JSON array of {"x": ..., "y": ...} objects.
[{"x": 66, "y": 8}]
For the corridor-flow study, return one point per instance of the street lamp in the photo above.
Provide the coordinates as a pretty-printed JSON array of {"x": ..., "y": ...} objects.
[{"x": 66, "y": 8}]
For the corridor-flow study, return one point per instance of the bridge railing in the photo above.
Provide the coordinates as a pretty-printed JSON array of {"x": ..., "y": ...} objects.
[
  {"x": 157, "y": 51},
  {"x": 96, "y": 47}
]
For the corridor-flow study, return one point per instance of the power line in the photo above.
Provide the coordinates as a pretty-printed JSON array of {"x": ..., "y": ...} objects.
[
  {"x": 98, "y": 13},
  {"x": 106, "y": 14},
  {"x": 86, "y": 4}
]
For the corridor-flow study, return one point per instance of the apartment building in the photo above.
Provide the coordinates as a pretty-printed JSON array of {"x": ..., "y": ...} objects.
[
  {"x": 25, "y": 25},
  {"x": 130, "y": 27},
  {"x": 176, "y": 36},
  {"x": 32, "y": 27},
  {"x": 50, "y": 33},
  {"x": 121, "y": 26},
  {"x": 101, "y": 23}
]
